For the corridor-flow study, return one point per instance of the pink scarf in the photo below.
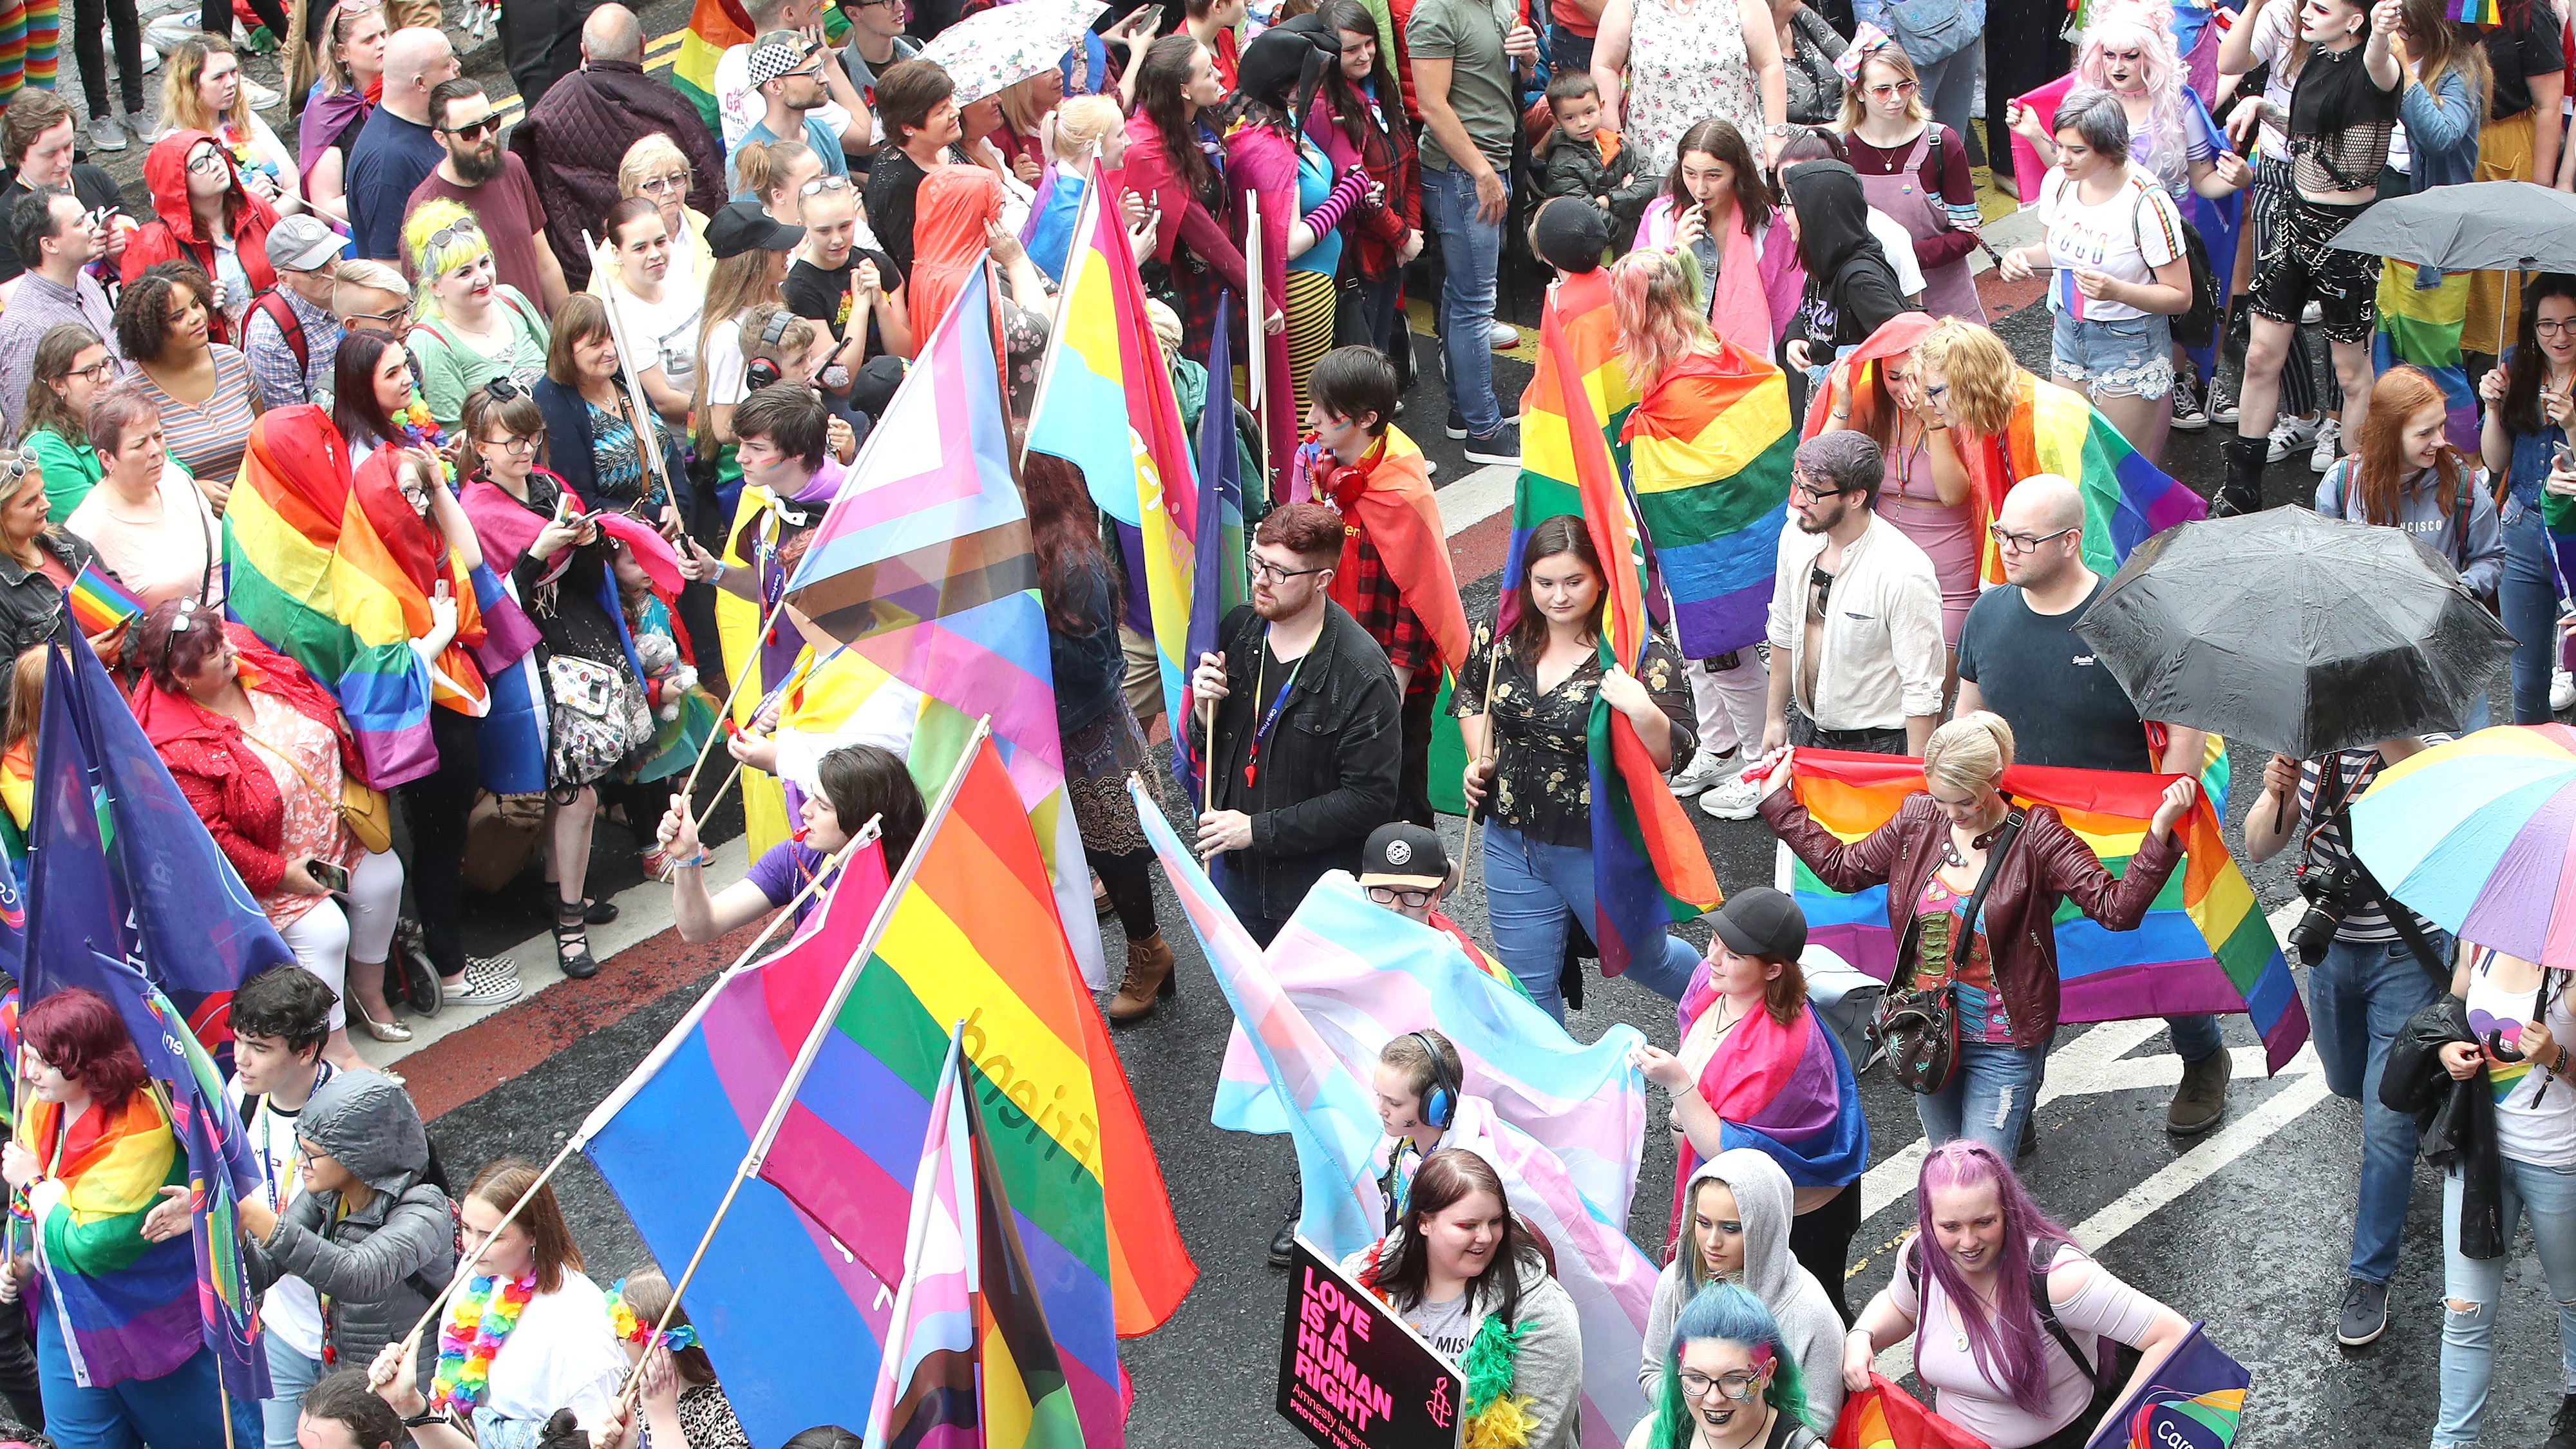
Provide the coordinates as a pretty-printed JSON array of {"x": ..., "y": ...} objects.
[{"x": 1741, "y": 310}]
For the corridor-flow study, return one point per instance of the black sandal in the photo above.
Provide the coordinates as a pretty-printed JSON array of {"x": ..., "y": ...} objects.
[{"x": 572, "y": 942}]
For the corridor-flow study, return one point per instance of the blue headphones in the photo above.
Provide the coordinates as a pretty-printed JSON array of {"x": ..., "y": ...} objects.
[{"x": 1440, "y": 1099}]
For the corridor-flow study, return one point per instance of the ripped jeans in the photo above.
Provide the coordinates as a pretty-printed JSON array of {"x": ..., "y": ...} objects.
[
  {"x": 2548, "y": 1196},
  {"x": 1989, "y": 1096}
]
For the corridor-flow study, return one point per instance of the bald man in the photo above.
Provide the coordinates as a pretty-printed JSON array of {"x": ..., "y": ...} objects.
[
  {"x": 2019, "y": 655},
  {"x": 396, "y": 149},
  {"x": 575, "y": 139}
]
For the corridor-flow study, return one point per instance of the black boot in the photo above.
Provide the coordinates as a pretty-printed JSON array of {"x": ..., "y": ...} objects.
[
  {"x": 2243, "y": 490},
  {"x": 2562, "y": 1429}
]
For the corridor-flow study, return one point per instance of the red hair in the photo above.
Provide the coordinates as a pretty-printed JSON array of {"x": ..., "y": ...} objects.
[{"x": 80, "y": 1035}]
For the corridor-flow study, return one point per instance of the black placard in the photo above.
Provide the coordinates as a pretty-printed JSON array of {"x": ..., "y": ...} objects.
[{"x": 1352, "y": 1374}]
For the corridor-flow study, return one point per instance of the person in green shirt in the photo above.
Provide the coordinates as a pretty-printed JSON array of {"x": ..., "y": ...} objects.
[{"x": 72, "y": 364}]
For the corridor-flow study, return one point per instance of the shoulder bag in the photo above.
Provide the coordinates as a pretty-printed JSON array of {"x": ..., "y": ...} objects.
[
  {"x": 362, "y": 806},
  {"x": 1919, "y": 1027}
]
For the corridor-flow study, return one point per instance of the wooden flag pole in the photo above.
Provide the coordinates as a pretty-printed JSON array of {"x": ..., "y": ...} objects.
[
  {"x": 1485, "y": 751},
  {"x": 724, "y": 713}
]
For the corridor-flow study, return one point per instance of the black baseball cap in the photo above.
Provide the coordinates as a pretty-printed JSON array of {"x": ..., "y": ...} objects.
[
  {"x": 741, "y": 226},
  {"x": 1404, "y": 854},
  {"x": 1759, "y": 921}
]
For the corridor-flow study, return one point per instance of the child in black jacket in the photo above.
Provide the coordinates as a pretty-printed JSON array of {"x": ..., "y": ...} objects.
[{"x": 1583, "y": 159}]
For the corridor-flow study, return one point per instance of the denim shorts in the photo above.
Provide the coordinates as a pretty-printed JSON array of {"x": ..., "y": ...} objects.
[{"x": 2132, "y": 357}]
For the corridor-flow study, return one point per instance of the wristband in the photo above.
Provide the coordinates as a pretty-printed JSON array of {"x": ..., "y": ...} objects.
[
  {"x": 695, "y": 862},
  {"x": 425, "y": 1417}
]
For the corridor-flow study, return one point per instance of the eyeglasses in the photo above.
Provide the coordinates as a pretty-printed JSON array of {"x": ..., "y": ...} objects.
[
  {"x": 2024, "y": 542},
  {"x": 2547, "y": 328},
  {"x": 1893, "y": 89},
  {"x": 99, "y": 371},
  {"x": 664, "y": 185},
  {"x": 514, "y": 445},
  {"x": 821, "y": 184},
  {"x": 1389, "y": 895},
  {"x": 1740, "y": 1387},
  {"x": 1267, "y": 572},
  {"x": 208, "y": 160},
  {"x": 1799, "y": 483},
  {"x": 472, "y": 129},
  {"x": 393, "y": 320}
]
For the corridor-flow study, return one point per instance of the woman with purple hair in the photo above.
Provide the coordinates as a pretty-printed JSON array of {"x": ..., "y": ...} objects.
[{"x": 2013, "y": 1325}]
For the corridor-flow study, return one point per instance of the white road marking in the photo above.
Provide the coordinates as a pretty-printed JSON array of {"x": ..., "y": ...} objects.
[{"x": 1476, "y": 497}]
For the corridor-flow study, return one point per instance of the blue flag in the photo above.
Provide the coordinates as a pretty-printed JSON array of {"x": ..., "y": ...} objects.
[
  {"x": 128, "y": 897},
  {"x": 2194, "y": 1400},
  {"x": 1220, "y": 550}
]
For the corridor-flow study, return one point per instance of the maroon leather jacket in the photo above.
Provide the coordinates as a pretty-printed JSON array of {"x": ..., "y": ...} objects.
[{"x": 2046, "y": 864}]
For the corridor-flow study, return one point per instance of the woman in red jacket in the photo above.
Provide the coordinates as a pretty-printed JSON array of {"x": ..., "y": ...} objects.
[
  {"x": 260, "y": 750},
  {"x": 1176, "y": 162},
  {"x": 205, "y": 215}
]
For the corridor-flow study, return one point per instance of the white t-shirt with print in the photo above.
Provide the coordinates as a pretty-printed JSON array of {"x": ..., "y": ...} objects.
[{"x": 2129, "y": 236}]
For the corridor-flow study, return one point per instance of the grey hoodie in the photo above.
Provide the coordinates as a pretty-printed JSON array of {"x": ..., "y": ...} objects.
[
  {"x": 2479, "y": 558},
  {"x": 1809, "y": 1327},
  {"x": 374, "y": 1262},
  {"x": 1549, "y": 1366}
]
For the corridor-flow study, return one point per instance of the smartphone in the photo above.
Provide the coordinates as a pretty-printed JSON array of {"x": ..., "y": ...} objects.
[
  {"x": 441, "y": 591},
  {"x": 2565, "y": 462},
  {"x": 334, "y": 878}
]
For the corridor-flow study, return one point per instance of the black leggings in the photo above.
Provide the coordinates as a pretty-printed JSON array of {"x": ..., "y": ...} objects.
[
  {"x": 215, "y": 17},
  {"x": 435, "y": 808},
  {"x": 1130, "y": 883},
  {"x": 1821, "y": 1242},
  {"x": 89, "y": 26}
]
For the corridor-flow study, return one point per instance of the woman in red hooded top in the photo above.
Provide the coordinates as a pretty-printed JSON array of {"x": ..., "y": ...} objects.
[{"x": 205, "y": 215}]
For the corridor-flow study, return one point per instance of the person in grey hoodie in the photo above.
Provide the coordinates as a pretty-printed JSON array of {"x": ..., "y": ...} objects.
[
  {"x": 372, "y": 1237},
  {"x": 1746, "y": 1241},
  {"x": 2404, "y": 473},
  {"x": 1459, "y": 1267}
]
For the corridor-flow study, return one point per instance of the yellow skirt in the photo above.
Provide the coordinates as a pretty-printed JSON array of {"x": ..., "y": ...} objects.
[{"x": 1310, "y": 331}]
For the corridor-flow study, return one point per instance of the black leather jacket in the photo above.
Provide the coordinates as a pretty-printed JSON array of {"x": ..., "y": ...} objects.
[
  {"x": 1328, "y": 768},
  {"x": 29, "y": 601},
  {"x": 2454, "y": 1120}
]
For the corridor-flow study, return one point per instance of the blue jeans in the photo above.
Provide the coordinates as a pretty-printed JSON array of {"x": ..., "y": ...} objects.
[
  {"x": 1949, "y": 90},
  {"x": 2528, "y": 602},
  {"x": 1568, "y": 52},
  {"x": 289, "y": 1375},
  {"x": 1989, "y": 1096},
  {"x": 179, "y": 1408},
  {"x": 1528, "y": 889},
  {"x": 2358, "y": 997},
  {"x": 2548, "y": 1196},
  {"x": 1471, "y": 254},
  {"x": 2195, "y": 1038}
]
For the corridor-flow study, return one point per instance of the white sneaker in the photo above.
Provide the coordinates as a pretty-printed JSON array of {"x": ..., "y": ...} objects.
[
  {"x": 487, "y": 981},
  {"x": 2329, "y": 445},
  {"x": 2290, "y": 434},
  {"x": 261, "y": 97},
  {"x": 1734, "y": 800},
  {"x": 2562, "y": 690},
  {"x": 1706, "y": 769},
  {"x": 1502, "y": 335}
]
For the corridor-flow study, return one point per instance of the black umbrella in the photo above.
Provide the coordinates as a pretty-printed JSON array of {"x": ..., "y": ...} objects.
[
  {"x": 2294, "y": 633},
  {"x": 2475, "y": 226}
]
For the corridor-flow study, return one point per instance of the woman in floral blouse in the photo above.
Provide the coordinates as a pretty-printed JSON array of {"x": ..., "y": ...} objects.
[{"x": 1525, "y": 705}]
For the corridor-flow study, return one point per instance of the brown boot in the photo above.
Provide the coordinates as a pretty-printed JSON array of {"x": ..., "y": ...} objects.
[
  {"x": 1149, "y": 979},
  {"x": 2202, "y": 1098}
]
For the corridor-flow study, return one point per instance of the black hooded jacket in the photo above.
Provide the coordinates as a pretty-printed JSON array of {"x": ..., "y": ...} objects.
[{"x": 1851, "y": 289}]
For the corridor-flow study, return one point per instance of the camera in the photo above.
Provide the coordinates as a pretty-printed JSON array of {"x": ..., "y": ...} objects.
[{"x": 2328, "y": 887}]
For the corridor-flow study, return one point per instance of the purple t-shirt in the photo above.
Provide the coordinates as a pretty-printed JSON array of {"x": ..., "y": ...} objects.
[{"x": 782, "y": 871}]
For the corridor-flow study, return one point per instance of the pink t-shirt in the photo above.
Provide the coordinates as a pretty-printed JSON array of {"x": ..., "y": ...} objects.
[{"x": 1944, "y": 1359}]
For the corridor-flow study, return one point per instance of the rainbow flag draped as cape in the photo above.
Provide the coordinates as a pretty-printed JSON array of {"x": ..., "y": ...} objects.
[
  {"x": 1332, "y": 1119},
  {"x": 1648, "y": 869},
  {"x": 1708, "y": 451},
  {"x": 923, "y": 565},
  {"x": 2204, "y": 947},
  {"x": 2127, "y": 499},
  {"x": 973, "y": 936},
  {"x": 1394, "y": 510}
]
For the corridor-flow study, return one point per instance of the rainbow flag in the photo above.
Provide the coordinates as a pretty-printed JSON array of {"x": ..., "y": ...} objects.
[
  {"x": 2420, "y": 326},
  {"x": 774, "y": 659},
  {"x": 923, "y": 565},
  {"x": 1103, "y": 361},
  {"x": 1884, "y": 1416},
  {"x": 2195, "y": 1398},
  {"x": 2478, "y": 12},
  {"x": 1708, "y": 452},
  {"x": 796, "y": 1318},
  {"x": 2127, "y": 499},
  {"x": 972, "y": 935},
  {"x": 1315, "y": 1065},
  {"x": 2204, "y": 947},
  {"x": 715, "y": 26},
  {"x": 99, "y": 603},
  {"x": 1648, "y": 868}
]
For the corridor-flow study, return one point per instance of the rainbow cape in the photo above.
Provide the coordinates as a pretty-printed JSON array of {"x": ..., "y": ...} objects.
[
  {"x": 1313, "y": 1065},
  {"x": 923, "y": 565},
  {"x": 2204, "y": 946},
  {"x": 2127, "y": 499},
  {"x": 1395, "y": 511},
  {"x": 1786, "y": 1091},
  {"x": 1708, "y": 452},
  {"x": 130, "y": 1304},
  {"x": 1884, "y": 1416},
  {"x": 752, "y": 542},
  {"x": 1648, "y": 869},
  {"x": 98, "y": 602}
]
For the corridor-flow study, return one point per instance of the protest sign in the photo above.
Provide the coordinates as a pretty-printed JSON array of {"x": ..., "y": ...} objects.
[{"x": 1352, "y": 1375}]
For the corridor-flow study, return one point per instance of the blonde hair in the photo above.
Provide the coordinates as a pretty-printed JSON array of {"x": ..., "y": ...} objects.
[
  {"x": 432, "y": 259},
  {"x": 1978, "y": 368},
  {"x": 1081, "y": 124},
  {"x": 180, "y": 109},
  {"x": 365, "y": 274},
  {"x": 1893, "y": 56},
  {"x": 335, "y": 76},
  {"x": 655, "y": 152},
  {"x": 1167, "y": 326},
  {"x": 761, "y": 167},
  {"x": 1970, "y": 752}
]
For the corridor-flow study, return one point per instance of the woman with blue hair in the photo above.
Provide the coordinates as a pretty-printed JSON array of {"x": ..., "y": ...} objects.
[{"x": 1729, "y": 1382}]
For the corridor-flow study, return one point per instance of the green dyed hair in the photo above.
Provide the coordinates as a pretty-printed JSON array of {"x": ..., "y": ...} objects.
[
  {"x": 432, "y": 259},
  {"x": 1728, "y": 1312}
]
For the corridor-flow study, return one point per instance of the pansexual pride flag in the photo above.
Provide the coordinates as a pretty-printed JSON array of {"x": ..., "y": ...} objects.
[
  {"x": 1648, "y": 869},
  {"x": 1708, "y": 451},
  {"x": 2204, "y": 946},
  {"x": 923, "y": 565},
  {"x": 1332, "y": 1119}
]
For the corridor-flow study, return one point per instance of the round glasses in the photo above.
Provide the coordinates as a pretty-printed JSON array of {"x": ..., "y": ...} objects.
[
  {"x": 1739, "y": 1387},
  {"x": 97, "y": 372}
]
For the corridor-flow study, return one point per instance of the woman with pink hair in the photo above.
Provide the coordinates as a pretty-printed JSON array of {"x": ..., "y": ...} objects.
[{"x": 2013, "y": 1325}]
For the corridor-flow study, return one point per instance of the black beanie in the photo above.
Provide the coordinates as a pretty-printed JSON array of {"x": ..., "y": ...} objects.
[{"x": 1569, "y": 234}]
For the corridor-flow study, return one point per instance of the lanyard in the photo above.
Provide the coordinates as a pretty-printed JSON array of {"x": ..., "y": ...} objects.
[{"x": 1260, "y": 673}]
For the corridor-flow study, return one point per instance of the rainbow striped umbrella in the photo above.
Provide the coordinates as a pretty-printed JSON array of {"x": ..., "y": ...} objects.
[{"x": 2478, "y": 836}]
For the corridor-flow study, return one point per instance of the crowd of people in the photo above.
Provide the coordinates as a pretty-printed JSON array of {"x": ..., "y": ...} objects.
[{"x": 571, "y": 400}]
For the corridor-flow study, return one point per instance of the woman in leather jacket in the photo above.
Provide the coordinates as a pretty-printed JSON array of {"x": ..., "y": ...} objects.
[{"x": 1930, "y": 857}]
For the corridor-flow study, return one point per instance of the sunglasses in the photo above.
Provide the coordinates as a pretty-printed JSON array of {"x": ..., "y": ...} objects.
[
  {"x": 821, "y": 184},
  {"x": 664, "y": 185},
  {"x": 471, "y": 129}
]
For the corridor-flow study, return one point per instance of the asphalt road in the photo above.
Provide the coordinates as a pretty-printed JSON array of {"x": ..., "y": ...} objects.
[{"x": 2246, "y": 1228}]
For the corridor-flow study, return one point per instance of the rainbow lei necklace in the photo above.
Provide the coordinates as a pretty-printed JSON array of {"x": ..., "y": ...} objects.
[{"x": 477, "y": 1324}]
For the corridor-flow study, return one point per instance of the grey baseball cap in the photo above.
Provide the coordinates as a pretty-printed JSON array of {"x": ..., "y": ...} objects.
[{"x": 302, "y": 243}]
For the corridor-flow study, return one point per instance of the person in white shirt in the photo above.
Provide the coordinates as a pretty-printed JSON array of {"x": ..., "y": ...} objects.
[
  {"x": 279, "y": 1020},
  {"x": 738, "y": 102},
  {"x": 1855, "y": 613}
]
